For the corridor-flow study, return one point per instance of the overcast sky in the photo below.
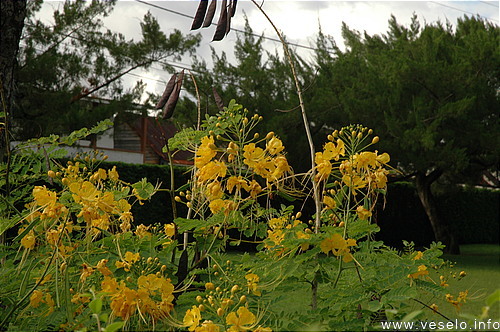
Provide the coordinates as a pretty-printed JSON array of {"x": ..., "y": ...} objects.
[{"x": 298, "y": 20}]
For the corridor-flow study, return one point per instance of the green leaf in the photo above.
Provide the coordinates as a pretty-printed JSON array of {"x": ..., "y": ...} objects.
[
  {"x": 113, "y": 327},
  {"x": 412, "y": 315},
  {"x": 493, "y": 298},
  {"x": 144, "y": 189},
  {"x": 96, "y": 305}
]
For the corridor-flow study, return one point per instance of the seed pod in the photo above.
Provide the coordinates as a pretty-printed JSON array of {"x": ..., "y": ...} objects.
[
  {"x": 168, "y": 110},
  {"x": 168, "y": 91},
  {"x": 233, "y": 7},
  {"x": 220, "y": 31},
  {"x": 218, "y": 100},
  {"x": 200, "y": 15},
  {"x": 210, "y": 14}
]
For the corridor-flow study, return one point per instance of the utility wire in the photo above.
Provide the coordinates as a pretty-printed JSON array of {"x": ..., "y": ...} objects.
[
  {"x": 464, "y": 11},
  {"x": 237, "y": 30},
  {"x": 489, "y": 3}
]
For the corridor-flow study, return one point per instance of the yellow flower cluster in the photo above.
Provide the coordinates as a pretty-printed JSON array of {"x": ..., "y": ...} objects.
[
  {"x": 365, "y": 169},
  {"x": 153, "y": 296},
  {"x": 331, "y": 151},
  {"x": 461, "y": 299},
  {"x": 338, "y": 246},
  {"x": 269, "y": 163},
  {"x": 38, "y": 297},
  {"x": 276, "y": 234}
]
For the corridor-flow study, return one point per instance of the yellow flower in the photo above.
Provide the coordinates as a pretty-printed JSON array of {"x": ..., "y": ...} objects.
[
  {"x": 130, "y": 258},
  {"x": 281, "y": 166},
  {"x": 205, "y": 152},
  {"x": 207, "y": 326},
  {"x": 142, "y": 231},
  {"x": 276, "y": 223},
  {"x": 252, "y": 154},
  {"x": 43, "y": 196},
  {"x": 422, "y": 271},
  {"x": 36, "y": 298},
  {"x": 212, "y": 171},
  {"x": 86, "y": 272},
  {"x": 252, "y": 280},
  {"x": 330, "y": 151},
  {"x": 214, "y": 190},
  {"x": 113, "y": 174},
  {"x": 170, "y": 229},
  {"x": 339, "y": 246},
  {"x": 101, "y": 267},
  {"x": 274, "y": 146},
  {"x": 329, "y": 202},
  {"x": 237, "y": 182},
  {"x": 381, "y": 178},
  {"x": 240, "y": 320},
  {"x": 365, "y": 160},
  {"x": 100, "y": 175},
  {"x": 419, "y": 255},
  {"x": 323, "y": 166},
  {"x": 192, "y": 318},
  {"x": 442, "y": 280},
  {"x": 50, "y": 302},
  {"x": 255, "y": 189},
  {"x": 363, "y": 213},
  {"x": 29, "y": 240},
  {"x": 384, "y": 158},
  {"x": 84, "y": 192},
  {"x": 216, "y": 205},
  {"x": 354, "y": 181},
  {"x": 301, "y": 235}
]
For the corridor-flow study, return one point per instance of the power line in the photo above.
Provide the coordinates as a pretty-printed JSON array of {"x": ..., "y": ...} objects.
[
  {"x": 464, "y": 11},
  {"x": 489, "y": 3},
  {"x": 237, "y": 30}
]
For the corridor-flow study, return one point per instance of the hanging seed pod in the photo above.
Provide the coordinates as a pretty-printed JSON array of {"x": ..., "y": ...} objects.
[
  {"x": 200, "y": 15},
  {"x": 233, "y": 7},
  {"x": 218, "y": 100},
  {"x": 210, "y": 14},
  {"x": 168, "y": 91},
  {"x": 220, "y": 31},
  {"x": 168, "y": 110}
]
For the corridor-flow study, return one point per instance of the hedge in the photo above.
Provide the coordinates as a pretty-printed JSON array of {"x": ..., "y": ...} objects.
[{"x": 473, "y": 213}]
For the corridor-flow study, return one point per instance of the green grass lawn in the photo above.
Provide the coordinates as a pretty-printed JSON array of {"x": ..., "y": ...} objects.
[{"x": 481, "y": 262}]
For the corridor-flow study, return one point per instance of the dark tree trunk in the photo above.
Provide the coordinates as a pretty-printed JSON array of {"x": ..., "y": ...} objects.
[
  {"x": 12, "y": 15},
  {"x": 442, "y": 231}
]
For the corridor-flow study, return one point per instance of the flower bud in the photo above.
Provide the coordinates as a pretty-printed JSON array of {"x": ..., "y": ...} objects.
[
  {"x": 245, "y": 121},
  {"x": 375, "y": 140},
  {"x": 243, "y": 299},
  {"x": 234, "y": 289},
  {"x": 256, "y": 135},
  {"x": 177, "y": 198},
  {"x": 370, "y": 131},
  {"x": 270, "y": 135},
  {"x": 51, "y": 174},
  {"x": 209, "y": 286},
  {"x": 199, "y": 299},
  {"x": 220, "y": 312}
]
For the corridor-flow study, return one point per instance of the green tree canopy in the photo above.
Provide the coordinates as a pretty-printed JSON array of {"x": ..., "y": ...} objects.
[
  {"x": 430, "y": 92},
  {"x": 70, "y": 72}
]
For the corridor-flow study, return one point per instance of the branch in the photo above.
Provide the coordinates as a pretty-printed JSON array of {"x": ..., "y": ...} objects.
[{"x": 108, "y": 82}]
